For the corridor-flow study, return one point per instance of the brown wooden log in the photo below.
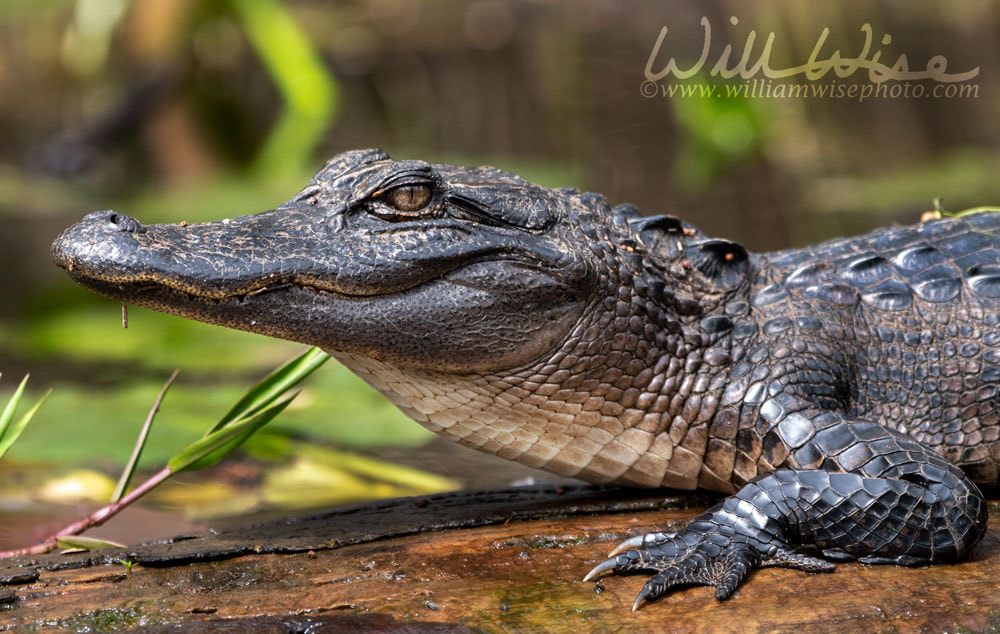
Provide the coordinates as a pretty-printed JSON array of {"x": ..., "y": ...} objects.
[{"x": 508, "y": 560}]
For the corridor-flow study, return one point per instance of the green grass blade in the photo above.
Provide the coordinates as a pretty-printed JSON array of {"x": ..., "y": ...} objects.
[
  {"x": 8, "y": 412},
  {"x": 273, "y": 386},
  {"x": 415, "y": 479},
  {"x": 12, "y": 433},
  {"x": 972, "y": 210},
  {"x": 86, "y": 543},
  {"x": 140, "y": 443},
  {"x": 215, "y": 446}
]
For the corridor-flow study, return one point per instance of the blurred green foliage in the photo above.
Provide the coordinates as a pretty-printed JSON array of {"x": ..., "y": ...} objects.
[
  {"x": 306, "y": 86},
  {"x": 718, "y": 134}
]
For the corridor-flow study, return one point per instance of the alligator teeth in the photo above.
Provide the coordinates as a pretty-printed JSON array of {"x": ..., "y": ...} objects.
[{"x": 267, "y": 289}]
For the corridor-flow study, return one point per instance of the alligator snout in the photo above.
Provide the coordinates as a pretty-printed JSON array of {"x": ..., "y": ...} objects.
[{"x": 96, "y": 238}]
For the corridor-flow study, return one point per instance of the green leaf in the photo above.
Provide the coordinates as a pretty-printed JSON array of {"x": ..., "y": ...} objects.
[
  {"x": 86, "y": 543},
  {"x": 11, "y": 435},
  {"x": 273, "y": 385},
  {"x": 140, "y": 443},
  {"x": 8, "y": 412},
  {"x": 217, "y": 444}
]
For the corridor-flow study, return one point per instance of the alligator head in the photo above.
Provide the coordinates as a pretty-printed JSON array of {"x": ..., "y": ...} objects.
[
  {"x": 429, "y": 266},
  {"x": 407, "y": 268}
]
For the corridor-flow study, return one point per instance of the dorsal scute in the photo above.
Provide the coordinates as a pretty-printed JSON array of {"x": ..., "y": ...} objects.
[
  {"x": 669, "y": 242},
  {"x": 723, "y": 262},
  {"x": 662, "y": 237}
]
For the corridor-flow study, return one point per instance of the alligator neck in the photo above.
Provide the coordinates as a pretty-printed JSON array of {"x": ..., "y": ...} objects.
[{"x": 621, "y": 401}]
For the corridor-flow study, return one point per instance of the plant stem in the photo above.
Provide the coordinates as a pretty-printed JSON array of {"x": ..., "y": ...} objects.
[{"x": 96, "y": 518}]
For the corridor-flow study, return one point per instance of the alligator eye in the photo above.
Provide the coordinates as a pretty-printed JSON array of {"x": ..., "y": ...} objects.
[{"x": 409, "y": 197}]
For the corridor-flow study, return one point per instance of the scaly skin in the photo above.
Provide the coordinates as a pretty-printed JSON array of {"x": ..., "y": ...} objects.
[{"x": 845, "y": 394}]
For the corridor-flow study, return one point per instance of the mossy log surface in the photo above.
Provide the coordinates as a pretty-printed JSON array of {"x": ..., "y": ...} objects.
[{"x": 494, "y": 561}]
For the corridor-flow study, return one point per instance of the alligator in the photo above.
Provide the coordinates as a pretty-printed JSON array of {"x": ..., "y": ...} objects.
[{"x": 843, "y": 395}]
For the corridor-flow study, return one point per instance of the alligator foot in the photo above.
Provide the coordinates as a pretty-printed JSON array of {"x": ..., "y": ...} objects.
[
  {"x": 699, "y": 555},
  {"x": 881, "y": 498}
]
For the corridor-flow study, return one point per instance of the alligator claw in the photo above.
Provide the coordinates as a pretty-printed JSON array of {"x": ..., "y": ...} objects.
[
  {"x": 604, "y": 566},
  {"x": 641, "y": 599},
  {"x": 642, "y": 541}
]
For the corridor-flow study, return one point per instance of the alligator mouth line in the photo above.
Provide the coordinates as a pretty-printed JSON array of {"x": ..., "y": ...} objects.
[
  {"x": 143, "y": 288},
  {"x": 147, "y": 285},
  {"x": 136, "y": 289}
]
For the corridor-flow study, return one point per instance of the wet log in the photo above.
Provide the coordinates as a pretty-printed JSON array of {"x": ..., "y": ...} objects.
[{"x": 506, "y": 560}]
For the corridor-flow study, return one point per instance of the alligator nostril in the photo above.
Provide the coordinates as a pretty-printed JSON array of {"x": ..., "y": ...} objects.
[{"x": 125, "y": 223}]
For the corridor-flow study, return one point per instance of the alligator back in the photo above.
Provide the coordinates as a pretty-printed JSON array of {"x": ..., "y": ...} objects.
[
  {"x": 917, "y": 309},
  {"x": 951, "y": 259}
]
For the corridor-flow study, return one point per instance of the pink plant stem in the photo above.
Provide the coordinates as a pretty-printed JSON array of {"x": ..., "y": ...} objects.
[{"x": 96, "y": 518}]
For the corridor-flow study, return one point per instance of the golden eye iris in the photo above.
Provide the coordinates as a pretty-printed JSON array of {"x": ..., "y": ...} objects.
[{"x": 409, "y": 197}]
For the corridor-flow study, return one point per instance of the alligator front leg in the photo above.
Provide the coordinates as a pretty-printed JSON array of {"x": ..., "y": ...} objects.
[{"x": 850, "y": 490}]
